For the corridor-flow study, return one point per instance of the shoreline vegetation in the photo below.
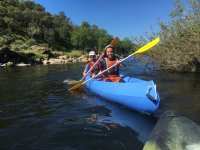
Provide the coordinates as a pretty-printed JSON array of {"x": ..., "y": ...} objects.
[
  {"x": 30, "y": 35},
  {"x": 38, "y": 55}
]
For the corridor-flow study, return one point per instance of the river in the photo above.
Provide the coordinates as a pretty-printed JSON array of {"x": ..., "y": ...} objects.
[{"x": 38, "y": 112}]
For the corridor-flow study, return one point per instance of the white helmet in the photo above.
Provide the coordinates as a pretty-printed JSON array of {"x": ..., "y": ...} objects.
[{"x": 92, "y": 53}]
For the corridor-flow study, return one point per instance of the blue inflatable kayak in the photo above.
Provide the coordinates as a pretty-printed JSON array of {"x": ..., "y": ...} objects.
[{"x": 135, "y": 94}]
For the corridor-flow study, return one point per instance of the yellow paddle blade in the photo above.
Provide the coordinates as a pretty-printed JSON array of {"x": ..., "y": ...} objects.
[
  {"x": 148, "y": 46},
  {"x": 77, "y": 86},
  {"x": 114, "y": 41}
]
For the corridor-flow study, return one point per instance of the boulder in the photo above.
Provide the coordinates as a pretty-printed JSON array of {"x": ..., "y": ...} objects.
[
  {"x": 174, "y": 131},
  {"x": 7, "y": 55}
]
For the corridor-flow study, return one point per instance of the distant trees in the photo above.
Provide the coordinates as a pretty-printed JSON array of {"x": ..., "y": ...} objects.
[
  {"x": 25, "y": 20},
  {"x": 126, "y": 46},
  {"x": 89, "y": 37},
  {"x": 24, "y": 23}
]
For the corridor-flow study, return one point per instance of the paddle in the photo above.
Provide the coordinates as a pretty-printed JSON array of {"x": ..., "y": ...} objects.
[
  {"x": 113, "y": 43},
  {"x": 141, "y": 50}
]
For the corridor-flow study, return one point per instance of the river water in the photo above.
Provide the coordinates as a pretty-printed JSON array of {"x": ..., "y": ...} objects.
[{"x": 38, "y": 112}]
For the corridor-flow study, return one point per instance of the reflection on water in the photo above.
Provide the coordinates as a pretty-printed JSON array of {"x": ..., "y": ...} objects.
[
  {"x": 38, "y": 112},
  {"x": 138, "y": 122}
]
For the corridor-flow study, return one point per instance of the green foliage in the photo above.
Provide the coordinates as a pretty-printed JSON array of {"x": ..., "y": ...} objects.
[
  {"x": 25, "y": 18},
  {"x": 74, "y": 53},
  {"x": 83, "y": 37},
  {"x": 58, "y": 53},
  {"x": 89, "y": 37},
  {"x": 23, "y": 23},
  {"x": 5, "y": 40},
  {"x": 31, "y": 42},
  {"x": 180, "y": 39},
  {"x": 125, "y": 47},
  {"x": 33, "y": 54},
  {"x": 18, "y": 44},
  {"x": 104, "y": 41}
]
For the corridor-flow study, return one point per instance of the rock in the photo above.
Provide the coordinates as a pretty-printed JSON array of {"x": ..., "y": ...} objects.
[
  {"x": 74, "y": 60},
  {"x": 63, "y": 57},
  {"x": 3, "y": 65},
  {"x": 70, "y": 60},
  {"x": 46, "y": 62},
  {"x": 7, "y": 55},
  {"x": 22, "y": 64},
  {"x": 50, "y": 55},
  {"x": 40, "y": 48},
  {"x": 174, "y": 131}
]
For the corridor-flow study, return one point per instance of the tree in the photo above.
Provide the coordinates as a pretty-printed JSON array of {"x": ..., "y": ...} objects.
[
  {"x": 180, "y": 38},
  {"x": 85, "y": 37},
  {"x": 125, "y": 46}
]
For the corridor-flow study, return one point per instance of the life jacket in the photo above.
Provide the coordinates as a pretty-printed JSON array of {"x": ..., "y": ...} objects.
[
  {"x": 96, "y": 68},
  {"x": 113, "y": 78},
  {"x": 114, "y": 70}
]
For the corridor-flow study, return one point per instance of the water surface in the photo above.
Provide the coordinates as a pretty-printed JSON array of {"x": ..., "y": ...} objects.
[{"x": 38, "y": 112}]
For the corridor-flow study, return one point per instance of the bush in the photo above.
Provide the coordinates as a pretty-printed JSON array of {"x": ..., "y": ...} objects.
[
  {"x": 6, "y": 40},
  {"x": 74, "y": 53},
  {"x": 178, "y": 50},
  {"x": 18, "y": 45},
  {"x": 33, "y": 54},
  {"x": 31, "y": 42}
]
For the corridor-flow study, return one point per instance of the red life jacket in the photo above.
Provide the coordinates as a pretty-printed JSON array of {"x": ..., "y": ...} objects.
[
  {"x": 96, "y": 68},
  {"x": 114, "y": 70}
]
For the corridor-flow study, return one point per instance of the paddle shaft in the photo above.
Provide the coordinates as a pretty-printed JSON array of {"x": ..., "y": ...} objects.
[{"x": 91, "y": 68}]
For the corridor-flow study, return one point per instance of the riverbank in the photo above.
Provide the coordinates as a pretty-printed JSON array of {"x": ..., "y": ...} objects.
[
  {"x": 36, "y": 56},
  {"x": 60, "y": 60}
]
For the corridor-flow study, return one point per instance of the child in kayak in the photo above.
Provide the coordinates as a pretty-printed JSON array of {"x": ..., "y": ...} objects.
[
  {"x": 92, "y": 67},
  {"x": 110, "y": 59}
]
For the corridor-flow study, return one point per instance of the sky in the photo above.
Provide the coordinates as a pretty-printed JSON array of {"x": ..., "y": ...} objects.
[{"x": 123, "y": 18}]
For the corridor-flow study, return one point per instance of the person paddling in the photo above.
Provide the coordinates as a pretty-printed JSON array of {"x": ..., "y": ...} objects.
[
  {"x": 110, "y": 59},
  {"x": 92, "y": 67}
]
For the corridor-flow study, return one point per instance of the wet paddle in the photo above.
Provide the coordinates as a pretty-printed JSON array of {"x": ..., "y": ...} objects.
[
  {"x": 141, "y": 50},
  {"x": 113, "y": 43}
]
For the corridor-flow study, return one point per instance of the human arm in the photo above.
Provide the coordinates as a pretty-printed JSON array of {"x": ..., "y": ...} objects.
[
  {"x": 86, "y": 70},
  {"x": 102, "y": 67},
  {"x": 120, "y": 64}
]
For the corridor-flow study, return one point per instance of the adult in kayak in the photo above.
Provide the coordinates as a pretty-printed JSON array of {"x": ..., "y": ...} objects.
[
  {"x": 92, "y": 66},
  {"x": 112, "y": 75}
]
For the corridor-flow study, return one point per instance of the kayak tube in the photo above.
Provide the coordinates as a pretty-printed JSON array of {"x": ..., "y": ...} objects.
[{"x": 134, "y": 93}]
